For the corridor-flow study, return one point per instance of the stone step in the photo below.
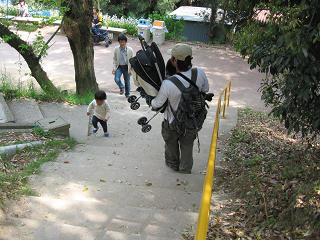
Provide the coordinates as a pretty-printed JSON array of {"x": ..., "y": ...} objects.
[
  {"x": 31, "y": 229},
  {"x": 96, "y": 216},
  {"x": 5, "y": 112},
  {"x": 25, "y": 110},
  {"x": 119, "y": 191}
]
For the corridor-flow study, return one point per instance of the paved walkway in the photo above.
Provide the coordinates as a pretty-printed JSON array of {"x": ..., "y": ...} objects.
[
  {"x": 119, "y": 188},
  {"x": 115, "y": 188},
  {"x": 220, "y": 65}
]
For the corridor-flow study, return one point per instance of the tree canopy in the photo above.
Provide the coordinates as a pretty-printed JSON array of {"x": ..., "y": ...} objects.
[{"x": 287, "y": 50}]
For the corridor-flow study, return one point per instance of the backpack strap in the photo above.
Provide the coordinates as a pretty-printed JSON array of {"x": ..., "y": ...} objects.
[
  {"x": 193, "y": 80},
  {"x": 194, "y": 75},
  {"x": 177, "y": 82}
]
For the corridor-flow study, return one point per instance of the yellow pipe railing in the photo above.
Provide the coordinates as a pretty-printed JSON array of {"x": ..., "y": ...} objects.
[{"x": 203, "y": 219}]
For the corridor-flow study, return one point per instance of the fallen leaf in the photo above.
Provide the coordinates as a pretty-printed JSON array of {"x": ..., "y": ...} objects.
[
  {"x": 66, "y": 162},
  {"x": 86, "y": 189},
  {"x": 103, "y": 181},
  {"x": 148, "y": 184}
]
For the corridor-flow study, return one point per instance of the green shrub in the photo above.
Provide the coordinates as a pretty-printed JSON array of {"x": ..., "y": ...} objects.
[
  {"x": 10, "y": 10},
  {"x": 175, "y": 27}
]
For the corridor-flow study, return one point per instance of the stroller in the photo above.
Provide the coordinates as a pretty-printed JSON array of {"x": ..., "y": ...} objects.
[
  {"x": 104, "y": 36},
  {"x": 150, "y": 71},
  {"x": 149, "y": 68}
]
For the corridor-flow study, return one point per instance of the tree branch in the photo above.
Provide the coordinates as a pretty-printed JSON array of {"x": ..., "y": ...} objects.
[
  {"x": 54, "y": 34},
  {"x": 50, "y": 39},
  {"x": 29, "y": 56}
]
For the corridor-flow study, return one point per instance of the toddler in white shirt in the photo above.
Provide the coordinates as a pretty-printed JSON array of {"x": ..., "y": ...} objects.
[{"x": 101, "y": 112}]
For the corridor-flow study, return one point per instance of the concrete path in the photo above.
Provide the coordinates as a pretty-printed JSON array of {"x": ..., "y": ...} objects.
[
  {"x": 115, "y": 188},
  {"x": 119, "y": 188},
  {"x": 220, "y": 65}
]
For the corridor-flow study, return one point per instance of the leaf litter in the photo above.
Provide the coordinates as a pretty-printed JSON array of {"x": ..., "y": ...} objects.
[{"x": 273, "y": 182}]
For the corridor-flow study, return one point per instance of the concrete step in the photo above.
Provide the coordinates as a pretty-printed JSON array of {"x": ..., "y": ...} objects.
[
  {"x": 5, "y": 112},
  {"x": 120, "y": 192},
  {"x": 97, "y": 216},
  {"x": 30, "y": 229},
  {"x": 25, "y": 110}
]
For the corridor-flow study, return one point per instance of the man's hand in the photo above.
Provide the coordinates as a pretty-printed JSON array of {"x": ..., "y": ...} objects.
[
  {"x": 88, "y": 114},
  {"x": 130, "y": 73},
  {"x": 113, "y": 72},
  {"x": 209, "y": 97},
  {"x": 105, "y": 120},
  {"x": 93, "y": 25},
  {"x": 149, "y": 100}
]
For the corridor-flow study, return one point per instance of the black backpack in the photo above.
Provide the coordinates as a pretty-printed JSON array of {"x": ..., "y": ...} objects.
[{"x": 191, "y": 111}]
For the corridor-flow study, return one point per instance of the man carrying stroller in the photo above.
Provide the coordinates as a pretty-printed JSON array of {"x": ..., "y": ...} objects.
[
  {"x": 97, "y": 22},
  {"x": 179, "y": 145}
]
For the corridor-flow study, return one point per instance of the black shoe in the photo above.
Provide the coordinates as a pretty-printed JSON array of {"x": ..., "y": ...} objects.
[
  {"x": 173, "y": 167},
  {"x": 185, "y": 171}
]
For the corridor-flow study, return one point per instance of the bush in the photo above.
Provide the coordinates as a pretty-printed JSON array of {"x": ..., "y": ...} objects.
[
  {"x": 127, "y": 23},
  {"x": 10, "y": 11},
  {"x": 175, "y": 27}
]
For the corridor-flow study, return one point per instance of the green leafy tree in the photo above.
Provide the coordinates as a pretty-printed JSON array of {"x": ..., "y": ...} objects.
[{"x": 287, "y": 50}]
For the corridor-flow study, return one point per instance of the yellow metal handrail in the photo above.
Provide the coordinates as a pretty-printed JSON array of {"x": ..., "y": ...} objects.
[{"x": 203, "y": 219}]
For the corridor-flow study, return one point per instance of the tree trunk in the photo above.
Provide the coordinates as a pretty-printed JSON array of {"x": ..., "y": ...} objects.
[
  {"x": 30, "y": 57},
  {"x": 225, "y": 6},
  {"x": 152, "y": 6},
  {"x": 77, "y": 25},
  {"x": 214, "y": 7}
]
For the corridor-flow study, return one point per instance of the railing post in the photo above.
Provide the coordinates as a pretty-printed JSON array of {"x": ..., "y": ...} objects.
[
  {"x": 225, "y": 103},
  {"x": 229, "y": 93}
]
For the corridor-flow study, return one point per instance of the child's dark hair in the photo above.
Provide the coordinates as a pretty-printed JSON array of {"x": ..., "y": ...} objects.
[
  {"x": 122, "y": 37},
  {"x": 96, "y": 9},
  {"x": 100, "y": 95},
  {"x": 170, "y": 69}
]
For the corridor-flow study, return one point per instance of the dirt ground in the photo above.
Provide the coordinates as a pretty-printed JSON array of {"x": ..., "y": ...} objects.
[{"x": 220, "y": 63}]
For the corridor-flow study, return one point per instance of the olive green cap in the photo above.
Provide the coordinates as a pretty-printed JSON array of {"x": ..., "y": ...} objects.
[{"x": 180, "y": 51}]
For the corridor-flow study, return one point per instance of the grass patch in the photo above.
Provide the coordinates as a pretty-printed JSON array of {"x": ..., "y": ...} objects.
[
  {"x": 10, "y": 91},
  {"x": 274, "y": 179},
  {"x": 14, "y": 171}
]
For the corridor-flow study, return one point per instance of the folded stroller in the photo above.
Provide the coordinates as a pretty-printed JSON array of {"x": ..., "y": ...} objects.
[{"x": 149, "y": 68}]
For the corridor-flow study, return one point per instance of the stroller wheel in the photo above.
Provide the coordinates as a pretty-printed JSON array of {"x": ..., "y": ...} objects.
[
  {"x": 110, "y": 41},
  {"x": 135, "y": 105},
  {"x": 142, "y": 121},
  {"x": 146, "y": 128},
  {"x": 132, "y": 99},
  {"x": 107, "y": 45}
]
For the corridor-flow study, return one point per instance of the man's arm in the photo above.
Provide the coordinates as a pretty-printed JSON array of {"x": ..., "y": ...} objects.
[
  {"x": 205, "y": 83},
  {"x": 115, "y": 60},
  {"x": 130, "y": 55},
  {"x": 162, "y": 96},
  {"x": 100, "y": 19}
]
